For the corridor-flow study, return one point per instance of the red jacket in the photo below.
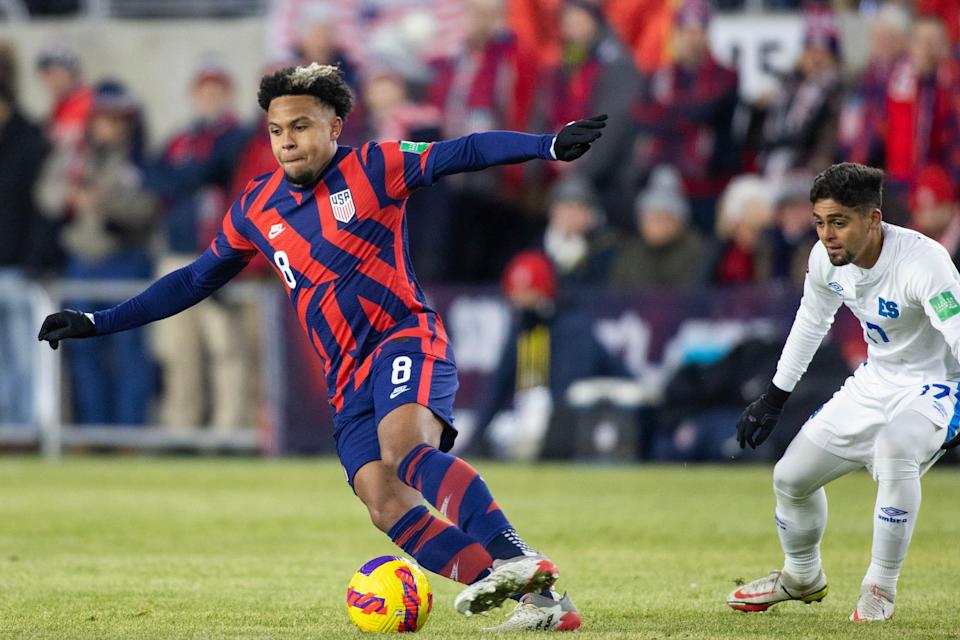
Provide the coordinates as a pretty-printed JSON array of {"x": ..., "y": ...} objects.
[{"x": 68, "y": 122}]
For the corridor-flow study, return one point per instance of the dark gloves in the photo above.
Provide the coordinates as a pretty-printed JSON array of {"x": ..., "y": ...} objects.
[
  {"x": 66, "y": 324},
  {"x": 574, "y": 139},
  {"x": 760, "y": 417}
]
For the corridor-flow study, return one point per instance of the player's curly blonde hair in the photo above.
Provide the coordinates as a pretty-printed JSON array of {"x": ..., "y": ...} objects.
[{"x": 322, "y": 81}]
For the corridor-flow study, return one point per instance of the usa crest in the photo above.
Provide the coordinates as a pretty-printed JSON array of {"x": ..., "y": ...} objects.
[{"x": 342, "y": 204}]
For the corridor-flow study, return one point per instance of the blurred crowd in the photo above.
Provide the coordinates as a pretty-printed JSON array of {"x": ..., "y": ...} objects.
[{"x": 690, "y": 186}]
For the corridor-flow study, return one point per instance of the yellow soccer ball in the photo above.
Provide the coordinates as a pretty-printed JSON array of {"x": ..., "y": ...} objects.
[{"x": 389, "y": 594}]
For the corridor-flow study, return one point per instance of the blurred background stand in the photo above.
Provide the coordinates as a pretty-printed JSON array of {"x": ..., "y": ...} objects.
[{"x": 603, "y": 421}]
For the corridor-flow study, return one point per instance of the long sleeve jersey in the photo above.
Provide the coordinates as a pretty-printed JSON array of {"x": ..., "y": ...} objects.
[
  {"x": 339, "y": 246},
  {"x": 908, "y": 304}
]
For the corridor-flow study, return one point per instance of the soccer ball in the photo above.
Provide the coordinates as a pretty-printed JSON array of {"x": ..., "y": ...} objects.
[{"x": 389, "y": 594}]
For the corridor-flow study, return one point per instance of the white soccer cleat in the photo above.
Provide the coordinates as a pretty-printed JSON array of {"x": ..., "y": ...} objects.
[
  {"x": 874, "y": 604},
  {"x": 535, "y": 612},
  {"x": 518, "y": 575},
  {"x": 763, "y": 593}
]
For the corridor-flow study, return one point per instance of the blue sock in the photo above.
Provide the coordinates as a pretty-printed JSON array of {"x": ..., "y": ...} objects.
[
  {"x": 455, "y": 489},
  {"x": 440, "y": 547}
]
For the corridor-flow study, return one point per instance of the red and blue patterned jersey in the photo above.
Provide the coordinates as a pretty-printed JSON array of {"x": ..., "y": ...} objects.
[{"x": 340, "y": 248}]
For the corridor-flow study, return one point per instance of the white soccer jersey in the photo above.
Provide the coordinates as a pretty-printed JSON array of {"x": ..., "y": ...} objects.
[{"x": 908, "y": 305}]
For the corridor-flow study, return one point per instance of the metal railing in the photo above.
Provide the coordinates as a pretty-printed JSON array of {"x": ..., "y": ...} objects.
[{"x": 46, "y": 429}]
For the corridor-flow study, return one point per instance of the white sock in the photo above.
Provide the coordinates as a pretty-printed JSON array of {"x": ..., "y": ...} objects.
[
  {"x": 800, "y": 524},
  {"x": 895, "y": 514}
]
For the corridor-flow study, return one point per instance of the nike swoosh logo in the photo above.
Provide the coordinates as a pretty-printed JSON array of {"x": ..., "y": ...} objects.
[
  {"x": 398, "y": 391},
  {"x": 742, "y": 595},
  {"x": 276, "y": 231}
]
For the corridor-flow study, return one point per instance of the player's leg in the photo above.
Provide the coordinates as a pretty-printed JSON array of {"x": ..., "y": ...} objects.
[
  {"x": 801, "y": 511},
  {"x": 398, "y": 511},
  {"x": 449, "y": 483},
  {"x": 410, "y": 443},
  {"x": 801, "y": 517},
  {"x": 902, "y": 448},
  {"x": 413, "y": 395}
]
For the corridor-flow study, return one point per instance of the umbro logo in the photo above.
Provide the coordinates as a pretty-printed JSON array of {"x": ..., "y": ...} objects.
[
  {"x": 398, "y": 390},
  {"x": 276, "y": 230},
  {"x": 892, "y": 515}
]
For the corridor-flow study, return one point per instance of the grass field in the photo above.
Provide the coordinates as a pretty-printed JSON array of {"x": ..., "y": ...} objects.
[{"x": 144, "y": 548}]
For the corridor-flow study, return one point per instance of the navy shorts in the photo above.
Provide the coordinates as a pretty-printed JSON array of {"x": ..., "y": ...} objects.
[{"x": 401, "y": 374}]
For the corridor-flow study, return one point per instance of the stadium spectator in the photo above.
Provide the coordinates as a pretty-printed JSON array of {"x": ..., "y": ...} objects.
[
  {"x": 71, "y": 99},
  {"x": 743, "y": 217},
  {"x": 862, "y": 114},
  {"x": 645, "y": 27},
  {"x": 642, "y": 25},
  {"x": 934, "y": 209},
  {"x": 490, "y": 83},
  {"x": 920, "y": 115},
  {"x": 666, "y": 252},
  {"x": 575, "y": 239},
  {"x": 948, "y": 11},
  {"x": 800, "y": 125},
  {"x": 596, "y": 75},
  {"x": 430, "y": 28},
  {"x": 318, "y": 40},
  {"x": 196, "y": 349},
  {"x": 685, "y": 113},
  {"x": 22, "y": 150},
  {"x": 550, "y": 346},
  {"x": 108, "y": 217},
  {"x": 388, "y": 88},
  {"x": 792, "y": 234}
]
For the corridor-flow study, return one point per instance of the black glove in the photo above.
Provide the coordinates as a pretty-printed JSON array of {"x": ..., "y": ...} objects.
[
  {"x": 66, "y": 324},
  {"x": 760, "y": 417},
  {"x": 574, "y": 139}
]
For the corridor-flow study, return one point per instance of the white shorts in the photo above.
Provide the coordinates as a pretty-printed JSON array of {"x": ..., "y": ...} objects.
[{"x": 847, "y": 425}]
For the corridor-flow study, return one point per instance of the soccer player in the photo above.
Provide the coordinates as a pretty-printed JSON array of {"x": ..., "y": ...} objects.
[
  {"x": 331, "y": 221},
  {"x": 894, "y": 415}
]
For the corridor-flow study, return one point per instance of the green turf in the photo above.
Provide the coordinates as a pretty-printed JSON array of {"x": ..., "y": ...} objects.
[{"x": 133, "y": 548}]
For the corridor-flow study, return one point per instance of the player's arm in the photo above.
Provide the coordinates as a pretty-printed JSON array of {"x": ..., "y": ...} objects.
[
  {"x": 936, "y": 286},
  {"x": 227, "y": 255},
  {"x": 168, "y": 296},
  {"x": 814, "y": 318},
  {"x": 491, "y": 148},
  {"x": 404, "y": 167}
]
